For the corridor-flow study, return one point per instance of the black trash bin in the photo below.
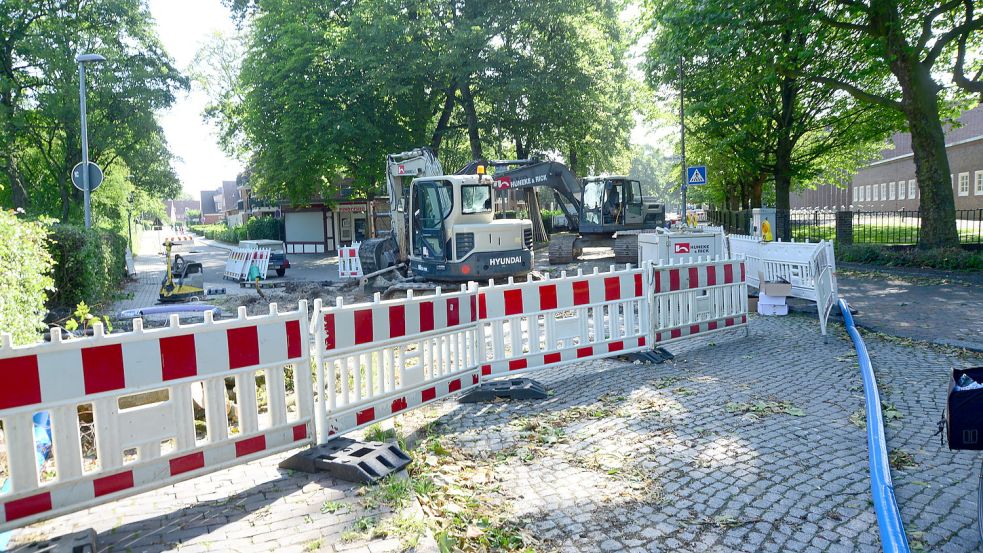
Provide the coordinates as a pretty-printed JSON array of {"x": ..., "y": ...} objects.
[{"x": 964, "y": 412}]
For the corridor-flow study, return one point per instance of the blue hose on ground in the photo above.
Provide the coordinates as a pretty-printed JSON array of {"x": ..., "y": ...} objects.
[
  {"x": 893, "y": 538},
  {"x": 42, "y": 449}
]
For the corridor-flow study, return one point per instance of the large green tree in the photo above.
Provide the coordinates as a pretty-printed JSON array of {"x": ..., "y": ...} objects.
[
  {"x": 39, "y": 110},
  {"x": 918, "y": 45},
  {"x": 747, "y": 67}
]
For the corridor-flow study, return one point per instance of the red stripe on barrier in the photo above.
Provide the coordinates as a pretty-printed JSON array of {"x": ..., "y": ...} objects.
[
  {"x": 113, "y": 483},
  {"x": 398, "y": 405},
  {"x": 294, "y": 349},
  {"x": 243, "y": 347},
  {"x": 711, "y": 275},
  {"x": 454, "y": 385},
  {"x": 363, "y": 326},
  {"x": 581, "y": 292},
  {"x": 641, "y": 341},
  {"x": 712, "y": 325},
  {"x": 27, "y": 506},
  {"x": 329, "y": 341},
  {"x": 743, "y": 318},
  {"x": 658, "y": 282},
  {"x": 673, "y": 280},
  {"x": 187, "y": 463},
  {"x": 518, "y": 364},
  {"x": 694, "y": 329},
  {"x": 585, "y": 352},
  {"x": 616, "y": 346},
  {"x": 742, "y": 272},
  {"x": 486, "y": 370},
  {"x": 474, "y": 308},
  {"x": 482, "y": 307},
  {"x": 365, "y": 415},
  {"x": 102, "y": 367},
  {"x": 694, "y": 277},
  {"x": 474, "y": 379},
  {"x": 250, "y": 445},
  {"x": 453, "y": 311},
  {"x": 21, "y": 381},
  {"x": 428, "y": 394},
  {"x": 729, "y": 322},
  {"x": 638, "y": 285},
  {"x": 728, "y": 273},
  {"x": 177, "y": 357},
  {"x": 426, "y": 316},
  {"x": 612, "y": 288},
  {"x": 552, "y": 358},
  {"x": 547, "y": 297},
  {"x": 397, "y": 321},
  {"x": 513, "y": 302},
  {"x": 675, "y": 333},
  {"x": 300, "y": 432}
]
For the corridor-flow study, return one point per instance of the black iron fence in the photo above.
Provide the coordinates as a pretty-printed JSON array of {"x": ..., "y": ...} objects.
[{"x": 861, "y": 227}]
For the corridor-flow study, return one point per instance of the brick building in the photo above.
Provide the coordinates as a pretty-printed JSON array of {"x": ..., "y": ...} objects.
[{"x": 889, "y": 184}]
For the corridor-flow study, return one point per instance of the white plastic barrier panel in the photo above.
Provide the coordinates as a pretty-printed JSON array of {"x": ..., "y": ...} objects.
[
  {"x": 552, "y": 322},
  {"x": 240, "y": 260},
  {"x": 139, "y": 388},
  {"x": 377, "y": 359},
  {"x": 349, "y": 265},
  {"x": 235, "y": 263},
  {"x": 698, "y": 298}
]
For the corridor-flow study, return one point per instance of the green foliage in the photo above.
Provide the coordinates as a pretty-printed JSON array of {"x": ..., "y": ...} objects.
[
  {"x": 39, "y": 107},
  {"x": 257, "y": 228},
  {"x": 950, "y": 259},
  {"x": 90, "y": 265},
  {"x": 25, "y": 277},
  {"x": 83, "y": 318}
]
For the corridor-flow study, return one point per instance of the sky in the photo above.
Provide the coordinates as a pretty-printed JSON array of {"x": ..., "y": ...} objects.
[{"x": 182, "y": 26}]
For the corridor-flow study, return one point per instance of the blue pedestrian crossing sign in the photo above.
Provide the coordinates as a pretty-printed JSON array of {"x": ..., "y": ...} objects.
[{"x": 696, "y": 175}]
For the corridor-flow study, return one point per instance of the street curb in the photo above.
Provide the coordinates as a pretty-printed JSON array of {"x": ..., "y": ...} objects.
[{"x": 968, "y": 346}]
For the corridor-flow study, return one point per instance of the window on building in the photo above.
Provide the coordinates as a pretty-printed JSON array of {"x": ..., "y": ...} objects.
[
  {"x": 883, "y": 191},
  {"x": 964, "y": 184},
  {"x": 912, "y": 189},
  {"x": 890, "y": 190},
  {"x": 867, "y": 193},
  {"x": 856, "y": 190},
  {"x": 876, "y": 194},
  {"x": 979, "y": 183},
  {"x": 902, "y": 189}
]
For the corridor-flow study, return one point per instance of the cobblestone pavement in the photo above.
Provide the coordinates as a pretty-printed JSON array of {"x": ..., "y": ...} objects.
[{"x": 739, "y": 444}]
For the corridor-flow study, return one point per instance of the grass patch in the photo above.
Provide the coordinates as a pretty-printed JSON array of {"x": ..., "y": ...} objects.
[
  {"x": 331, "y": 507},
  {"x": 949, "y": 259},
  {"x": 313, "y": 545}
]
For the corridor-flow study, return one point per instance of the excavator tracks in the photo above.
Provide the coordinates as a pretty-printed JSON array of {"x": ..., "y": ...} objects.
[{"x": 564, "y": 249}]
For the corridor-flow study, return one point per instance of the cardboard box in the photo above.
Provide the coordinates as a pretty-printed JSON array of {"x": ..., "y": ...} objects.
[
  {"x": 769, "y": 309},
  {"x": 752, "y": 304},
  {"x": 771, "y": 300},
  {"x": 778, "y": 288}
]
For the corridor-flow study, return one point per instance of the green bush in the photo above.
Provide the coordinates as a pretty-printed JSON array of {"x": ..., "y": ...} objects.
[
  {"x": 90, "y": 265},
  {"x": 953, "y": 259},
  {"x": 25, "y": 277},
  {"x": 547, "y": 216},
  {"x": 257, "y": 228},
  {"x": 264, "y": 228}
]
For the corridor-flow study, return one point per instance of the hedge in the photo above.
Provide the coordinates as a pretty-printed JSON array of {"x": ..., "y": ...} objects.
[
  {"x": 25, "y": 277},
  {"x": 257, "y": 228},
  {"x": 90, "y": 265}
]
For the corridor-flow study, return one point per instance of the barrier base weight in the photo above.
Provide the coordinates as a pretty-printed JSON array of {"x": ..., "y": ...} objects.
[
  {"x": 513, "y": 388},
  {"x": 79, "y": 542},
  {"x": 655, "y": 356},
  {"x": 350, "y": 460}
]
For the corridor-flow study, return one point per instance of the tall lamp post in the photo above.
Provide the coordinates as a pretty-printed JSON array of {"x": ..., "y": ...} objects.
[{"x": 82, "y": 59}]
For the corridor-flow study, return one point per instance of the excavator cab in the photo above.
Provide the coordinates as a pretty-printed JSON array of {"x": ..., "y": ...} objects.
[
  {"x": 612, "y": 204},
  {"x": 454, "y": 235}
]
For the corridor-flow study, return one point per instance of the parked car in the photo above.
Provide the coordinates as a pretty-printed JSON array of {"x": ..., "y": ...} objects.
[{"x": 278, "y": 254}]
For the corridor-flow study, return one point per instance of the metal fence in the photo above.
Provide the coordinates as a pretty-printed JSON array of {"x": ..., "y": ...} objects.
[{"x": 868, "y": 227}]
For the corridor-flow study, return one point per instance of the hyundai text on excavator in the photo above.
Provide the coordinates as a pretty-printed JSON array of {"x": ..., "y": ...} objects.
[
  {"x": 604, "y": 211},
  {"x": 444, "y": 227}
]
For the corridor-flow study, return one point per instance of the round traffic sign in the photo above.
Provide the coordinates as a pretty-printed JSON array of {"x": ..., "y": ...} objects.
[{"x": 95, "y": 176}]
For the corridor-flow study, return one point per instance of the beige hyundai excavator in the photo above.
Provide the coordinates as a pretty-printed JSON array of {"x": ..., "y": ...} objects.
[{"x": 444, "y": 228}]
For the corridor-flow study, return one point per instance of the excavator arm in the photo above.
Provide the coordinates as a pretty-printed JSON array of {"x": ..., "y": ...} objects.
[{"x": 526, "y": 173}]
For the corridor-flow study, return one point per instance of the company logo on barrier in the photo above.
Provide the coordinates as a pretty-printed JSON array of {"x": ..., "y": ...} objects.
[
  {"x": 401, "y": 169},
  {"x": 682, "y": 247},
  {"x": 505, "y": 260}
]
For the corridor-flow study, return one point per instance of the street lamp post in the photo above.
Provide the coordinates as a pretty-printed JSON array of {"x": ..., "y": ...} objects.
[{"x": 82, "y": 59}]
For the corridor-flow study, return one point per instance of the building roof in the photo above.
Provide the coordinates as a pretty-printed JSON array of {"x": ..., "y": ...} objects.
[
  {"x": 971, "y": 126},
  {"x": 230, "y": 194}
]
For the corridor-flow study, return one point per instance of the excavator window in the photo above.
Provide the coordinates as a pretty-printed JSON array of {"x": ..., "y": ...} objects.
[
  {"x": 432, "y": 204},
  {"x": 476, "y": 198}
]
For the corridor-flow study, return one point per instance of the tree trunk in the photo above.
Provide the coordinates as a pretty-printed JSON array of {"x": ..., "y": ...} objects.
[
  {"x": 756, "y": 186},
  {"x": 467, "y": 101},
  {"x": 18, "y": 193},
  {"x": 442, "y": 122},
  {"x": 573, "y": 161},
  {"x": 521, "y": 150},
  {"x": 937, "y": 204}
]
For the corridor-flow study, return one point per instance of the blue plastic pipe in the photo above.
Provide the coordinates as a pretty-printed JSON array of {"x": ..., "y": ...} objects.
[{"x": 893, "y": 538}]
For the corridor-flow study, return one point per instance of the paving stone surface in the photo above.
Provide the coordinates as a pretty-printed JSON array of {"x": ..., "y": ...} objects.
[{"x": 742, "y": 443}]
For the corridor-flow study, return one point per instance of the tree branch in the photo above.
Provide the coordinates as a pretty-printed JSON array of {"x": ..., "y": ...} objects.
[
  {"x": 958, "y": 72},
  {"x": 959, "y": 31},
  {"x": 858, "y": 93},
  {"x": 837, "y": 24},
  {"x": 930, "y": 18}
]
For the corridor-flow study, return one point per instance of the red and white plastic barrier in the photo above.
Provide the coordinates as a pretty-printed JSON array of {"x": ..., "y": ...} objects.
[
  {"x": 532, "y": 325},
  {"x": 139, "y": 388},
  {"x": 377, "y": 359},
  {"x": 181, "y": 240},
  {"x": 240, "y": 260},
  {"x": 349, "y": 265},
  {"x": 697, "y": 298}
]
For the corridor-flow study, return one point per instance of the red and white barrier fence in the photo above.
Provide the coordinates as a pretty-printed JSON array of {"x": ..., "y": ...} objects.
[
  {"x": 349, "y": 265},
  {"x": 697, "y": 298},
  {"x": 140, "y": 388},
  {"x": 240, "y": 260},
  {"x": 532, "y": 325},
  {"x": 180, "y": 240}
]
